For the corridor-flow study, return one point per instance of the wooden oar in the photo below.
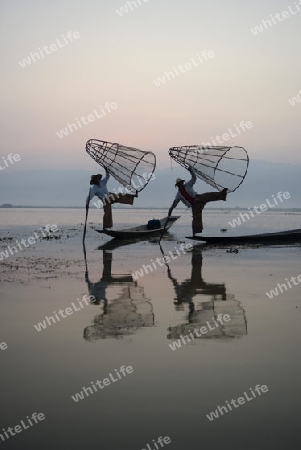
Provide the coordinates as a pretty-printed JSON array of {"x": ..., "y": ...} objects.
[
  {"x": 85, "y": 257},
  {"x": 164, "y": 228},
  {"x": 85, "y": 227},
  {"x": 87, "y": 210}
]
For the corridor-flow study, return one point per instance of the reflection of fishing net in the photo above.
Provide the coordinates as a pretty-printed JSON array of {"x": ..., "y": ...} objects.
[
  {"x": 221, "y": 167},
  {"x": 123, "y": 316},
  {"x": 205, "y": 312},
  {"x": 132, "y": 167}
]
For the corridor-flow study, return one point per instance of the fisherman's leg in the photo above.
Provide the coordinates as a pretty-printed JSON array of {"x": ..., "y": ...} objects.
[
  {"x": 196, "y": 268},
  {"x": 111, "y": 198},
  {"x": 197, "y": 219},
  {"x": 107, "y": 266},
  {"x": 198, "y": 206},
  {"x": 107, "y": 216},
  {"x": 212, "y": 196},
  {"x": 125, "y": 199}
]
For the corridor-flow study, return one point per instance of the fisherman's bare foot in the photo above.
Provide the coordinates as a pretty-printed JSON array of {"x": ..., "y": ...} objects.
[{"x": 224, "y": 192}]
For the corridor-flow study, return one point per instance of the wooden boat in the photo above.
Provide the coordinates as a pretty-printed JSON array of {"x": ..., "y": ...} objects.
[
  {"x": 282, "y": 237},
  {"x": 141, "y": 230}
]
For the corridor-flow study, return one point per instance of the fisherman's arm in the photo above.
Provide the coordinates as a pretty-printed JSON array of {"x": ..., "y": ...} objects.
[
  {"x": 193, "y": 177},
  {"x": 174, "y": 204},
  {"x": 106, "y": 178}
]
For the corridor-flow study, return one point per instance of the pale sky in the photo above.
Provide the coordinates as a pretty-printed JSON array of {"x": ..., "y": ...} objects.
[{"x": 117, "y": 58}]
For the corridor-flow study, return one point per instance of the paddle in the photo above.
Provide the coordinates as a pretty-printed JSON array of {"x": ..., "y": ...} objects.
[
  {"x": 85, "y": 227},
  {"x": 164, "y": 228},
  {"x": 85, "y": 257}
]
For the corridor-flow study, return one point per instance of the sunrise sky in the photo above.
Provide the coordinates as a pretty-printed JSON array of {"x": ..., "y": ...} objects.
[{"x": 116, "y": 58}]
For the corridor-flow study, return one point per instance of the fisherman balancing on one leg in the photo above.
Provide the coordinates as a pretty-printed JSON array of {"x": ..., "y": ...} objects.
[
  {"x": 196, "y": 202},
  {"x": 99, "y": 188}
]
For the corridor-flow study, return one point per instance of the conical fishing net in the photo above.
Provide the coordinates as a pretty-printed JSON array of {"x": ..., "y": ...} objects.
[
  {"x": 133, "y": 168},
  {"x": 221, "y": 167}
]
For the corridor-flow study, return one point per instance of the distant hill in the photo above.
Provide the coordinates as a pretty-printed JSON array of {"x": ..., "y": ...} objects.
[{"x": 70, "y": 188}]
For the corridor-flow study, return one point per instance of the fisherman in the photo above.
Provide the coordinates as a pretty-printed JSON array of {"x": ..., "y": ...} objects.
[
  {"x": 99, "y": 188},
  {"x": 196, "y": 202}
]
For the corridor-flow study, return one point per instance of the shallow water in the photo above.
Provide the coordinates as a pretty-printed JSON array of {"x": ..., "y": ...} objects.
[
  {"x": 134, "y": 323},
  {"x": 214, "y": 220}
]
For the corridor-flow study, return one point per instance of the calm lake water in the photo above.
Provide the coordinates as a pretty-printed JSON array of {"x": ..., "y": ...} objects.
[{"x": 170, "y": 392}]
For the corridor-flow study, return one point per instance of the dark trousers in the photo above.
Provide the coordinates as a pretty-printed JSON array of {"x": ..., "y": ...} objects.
[
  {"x": 198, "y": 205},
  {"x": 126, "y": 199}
]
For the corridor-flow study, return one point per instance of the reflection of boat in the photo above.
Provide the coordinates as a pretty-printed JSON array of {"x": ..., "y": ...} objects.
[
  {"x": 281, "y": 237},
  {"x": 121, "y": 316},
  {"x": 113, "y": 244},
  {"x": 203, "y": 302},
  {"x": 141, "y": 230}
]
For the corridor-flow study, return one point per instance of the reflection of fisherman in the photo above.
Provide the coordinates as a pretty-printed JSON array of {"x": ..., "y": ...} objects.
[
  {"x": 208, "y": 309},
  {"x": 99, "y": 188},
  {"x": 196, "y": 202},
  {"x": 98, "y": 289},
  {"x": 121, "y": 316},
  {"x": 189, "y": 288}
]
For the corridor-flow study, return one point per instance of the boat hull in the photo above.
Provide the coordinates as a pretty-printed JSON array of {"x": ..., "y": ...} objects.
[
  {"x": 283, "y": 237},
  {"x": 140, "y": 231}
]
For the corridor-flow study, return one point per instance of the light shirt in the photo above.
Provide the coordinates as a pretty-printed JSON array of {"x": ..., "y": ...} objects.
[
  {"x": 189, "y": 189},
  {"x": 100, "y": 190}
]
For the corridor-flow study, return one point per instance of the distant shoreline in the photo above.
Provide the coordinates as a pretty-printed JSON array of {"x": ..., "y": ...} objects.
[{"x": 236, "y": 208}]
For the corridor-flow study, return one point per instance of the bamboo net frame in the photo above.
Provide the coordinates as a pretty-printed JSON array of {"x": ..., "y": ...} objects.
[
  {"x": 132, "y": 167},
  {"x": 221, "y": 167}
]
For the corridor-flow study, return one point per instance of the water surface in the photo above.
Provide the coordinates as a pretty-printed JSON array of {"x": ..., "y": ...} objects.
[{"x": 133, "y": 323}]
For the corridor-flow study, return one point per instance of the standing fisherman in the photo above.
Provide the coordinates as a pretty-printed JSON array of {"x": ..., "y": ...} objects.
[
  {"x": 196, "y": 202},
  {"x": 99, "y": 188}
]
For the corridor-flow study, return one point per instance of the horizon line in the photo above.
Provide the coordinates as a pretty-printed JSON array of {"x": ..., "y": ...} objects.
[{"x": 141, "y": 207}]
